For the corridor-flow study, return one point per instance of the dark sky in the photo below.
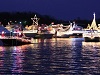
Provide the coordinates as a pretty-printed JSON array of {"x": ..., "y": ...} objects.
[{"x": 61, "y": 9}]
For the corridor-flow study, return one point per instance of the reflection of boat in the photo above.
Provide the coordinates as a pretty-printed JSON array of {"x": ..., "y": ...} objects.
[{"x": 92, "y": 34}]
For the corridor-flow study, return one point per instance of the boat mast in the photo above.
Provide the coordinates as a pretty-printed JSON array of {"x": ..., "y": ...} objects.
[{"x": 93, "y": 25}]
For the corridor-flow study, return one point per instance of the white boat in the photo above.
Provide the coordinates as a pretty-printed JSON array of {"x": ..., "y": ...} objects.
[
  {"x": 31, "y": 31},
  {"x": 70, "y": 31},
  {"x": 64, "y": 33},
  {"x": 77, "y": 31},
  {"x": 92, "y": 34},
  {"x": 45, "y": 32},
  {"x": 36, "y": 31}
]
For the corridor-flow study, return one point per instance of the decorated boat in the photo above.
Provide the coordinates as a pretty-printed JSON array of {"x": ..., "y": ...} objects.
[
  {"x": 31, "y": 31},
  {"x": 92, "y": 34}
]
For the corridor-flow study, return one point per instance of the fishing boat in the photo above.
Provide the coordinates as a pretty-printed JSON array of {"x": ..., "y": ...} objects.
[{"x": 92, "y": 34}]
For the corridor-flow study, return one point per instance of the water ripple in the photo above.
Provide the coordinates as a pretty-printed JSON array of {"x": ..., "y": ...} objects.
[{"x": 59, "y": 56}]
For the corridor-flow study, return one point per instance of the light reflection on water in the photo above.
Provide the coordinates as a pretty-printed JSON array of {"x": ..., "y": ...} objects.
[{"x": 61, "y": 56}]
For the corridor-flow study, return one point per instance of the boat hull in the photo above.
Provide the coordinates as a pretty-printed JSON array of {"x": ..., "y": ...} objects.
[
  {"x": 63, "y": 36},
  {"x": 44, "y": 36},
  {"x": 77, "y": 35},
  {"x": 13, "y": 42},
  {"x": 92, "y": 39},
  {"x": 30, "y": 34}
]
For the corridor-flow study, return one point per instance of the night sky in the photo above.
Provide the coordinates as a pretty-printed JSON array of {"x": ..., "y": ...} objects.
[{"x": 60, "y": 9}]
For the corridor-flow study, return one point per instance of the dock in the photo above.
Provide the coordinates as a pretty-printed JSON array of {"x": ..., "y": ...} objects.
[{"x": 15, "y": 41}]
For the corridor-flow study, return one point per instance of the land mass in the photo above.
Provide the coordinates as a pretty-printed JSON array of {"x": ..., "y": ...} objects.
[{"x": 25, "y": 19}]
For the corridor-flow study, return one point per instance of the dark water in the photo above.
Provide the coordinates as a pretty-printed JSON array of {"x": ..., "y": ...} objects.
[{"x": 51, "y": 57}]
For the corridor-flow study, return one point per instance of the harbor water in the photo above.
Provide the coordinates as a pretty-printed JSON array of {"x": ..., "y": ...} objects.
[{"x": 56, "y": 56}]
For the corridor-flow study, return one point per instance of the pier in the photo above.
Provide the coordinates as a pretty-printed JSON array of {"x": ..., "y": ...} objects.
[{"x": 13, "y": 41}]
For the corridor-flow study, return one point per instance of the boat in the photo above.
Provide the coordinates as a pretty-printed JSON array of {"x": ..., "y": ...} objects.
[
  {"x": 36, "y": 31},
  {"x": 14, "y": 29},
  {"x": 92, "y": 34},
  {"x": 64, "y": 32},
  {"x": 31, "y": 31},
  {"x": 45, "y": 32},
  {"x": 77, "y": 31},
  {"x": 71, "y": 30},
  {"x": 4, "y": 31}
]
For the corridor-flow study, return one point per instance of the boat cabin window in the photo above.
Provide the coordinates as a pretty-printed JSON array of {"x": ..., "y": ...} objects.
[{"x": 89, "y": 31}]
